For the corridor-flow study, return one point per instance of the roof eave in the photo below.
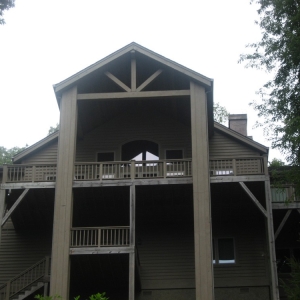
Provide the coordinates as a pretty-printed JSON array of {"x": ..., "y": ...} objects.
[
  {"x": 35, "y": 146},
  {"x": 59, "y": 87}
]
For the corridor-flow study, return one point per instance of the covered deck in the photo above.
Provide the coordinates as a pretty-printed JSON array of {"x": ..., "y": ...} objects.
[{"x": 116, "y": 171}]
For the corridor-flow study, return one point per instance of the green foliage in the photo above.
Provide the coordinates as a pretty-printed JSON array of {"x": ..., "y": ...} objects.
[
  {"x": 98, "y": 296},
  {"x": 5, "y": 5},
  {"x": 292, "y": 286},
  {"x": 6, "y": 155},
  {"x": 275, "y": 163},
  {"x": 42, "y": 297},
  {"x": 278, "y": 53},
  {"x": 220, "y": 113},
  {"x": 53, "y": 129}
]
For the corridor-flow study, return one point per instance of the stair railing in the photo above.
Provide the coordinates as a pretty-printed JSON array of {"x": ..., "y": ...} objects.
[{"x": 25, "y": 279}]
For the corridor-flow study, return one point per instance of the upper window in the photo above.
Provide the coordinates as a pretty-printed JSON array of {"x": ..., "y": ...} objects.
[
  {"x": 223, "y": 251},
  {"x": 105, "y": 156},
  {"x": 174, "y": 154}
]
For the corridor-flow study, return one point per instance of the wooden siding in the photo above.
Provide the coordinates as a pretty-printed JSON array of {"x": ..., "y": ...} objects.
[
  {"x": 167, "y": 260},
  {"x": 142, "y": 125},
  {"x": 21, "y": 249},
  {"x": 135, "y": 125},
  {"x": 47, "y": 154},
  {"x": 234, "y": 215},
  {"x": 221, "y": 145}
]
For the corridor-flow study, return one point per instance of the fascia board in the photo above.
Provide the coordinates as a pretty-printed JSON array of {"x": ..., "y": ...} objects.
[{"x": 133, "y": 46}]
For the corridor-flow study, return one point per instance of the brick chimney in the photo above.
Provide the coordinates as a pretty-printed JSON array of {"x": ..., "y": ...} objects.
[{"x": 238, "y": 123}]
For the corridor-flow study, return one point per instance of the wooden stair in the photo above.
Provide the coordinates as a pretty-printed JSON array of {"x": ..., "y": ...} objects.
[{"x": 27, "y": 282}]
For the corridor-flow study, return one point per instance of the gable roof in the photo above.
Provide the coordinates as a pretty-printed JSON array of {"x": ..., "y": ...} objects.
[
  {"x": 29, "y": 150},
  {"x": 242, "y": 138},
  {"x": 59, "y": 87}
]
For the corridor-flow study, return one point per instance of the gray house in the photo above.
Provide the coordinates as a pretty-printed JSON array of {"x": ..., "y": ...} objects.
[{"x": 140, "y": 194}]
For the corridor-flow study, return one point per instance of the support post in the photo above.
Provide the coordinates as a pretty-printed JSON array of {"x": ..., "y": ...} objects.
[
  {"x": 271, "y": 242},
  {"x": 60, "y": 262},
  {"x": 2, "y": 199},
  {"x": 132, "y": 243},
  {"x": 46, "y": 276},
  {"x": 2, "y": 208},
  {"x": 133, "y": 71},
  {"x": 201, "y": 194}
]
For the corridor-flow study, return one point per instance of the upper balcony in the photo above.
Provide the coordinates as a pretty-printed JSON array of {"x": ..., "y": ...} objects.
[{"x": 117, "y": 171}]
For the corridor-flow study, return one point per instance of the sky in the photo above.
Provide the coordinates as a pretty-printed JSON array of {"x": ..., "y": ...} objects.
[{"x": 45, "y": 41}]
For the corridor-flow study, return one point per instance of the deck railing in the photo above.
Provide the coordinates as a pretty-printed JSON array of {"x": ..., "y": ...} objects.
[
  {"x": 175, "y": 168},
  {"x": 237, "y": 166},
  {"x": 100, "y": 236},
  {"x": 25, "y": 279}
]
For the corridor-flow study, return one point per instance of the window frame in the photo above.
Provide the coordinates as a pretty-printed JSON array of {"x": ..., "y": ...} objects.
[
  {"x": 109, "y": 151},
  {"x": 174, "y": 149},
  {"x": 216, "y": 254}
]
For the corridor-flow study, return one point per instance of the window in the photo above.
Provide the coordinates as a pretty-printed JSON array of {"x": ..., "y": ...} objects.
[
  {"x": 105, "y": 156},
  {"x": 174, "y": 154},
  {"x": 223, "y": 251}
]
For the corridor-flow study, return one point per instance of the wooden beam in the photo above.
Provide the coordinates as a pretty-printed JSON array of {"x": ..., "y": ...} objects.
[
  {"x": 126, "y": 95},
  {"x": 2, "y": 209},
  {"x": 27, "y": 185},
  {"x": 60, "y": 261},
  {"x": 201, "y": 195},
  {"x": 132, "y": 243},
  {"x": 250, "y": 178},
  {"x": 133, "y": 71},
  {"x": 118, "y": 82},
  {"x": 253, "y": 198},
  {"x": 149, "y": 80},
  {"x": 294, "y": 205},
  {"x": 282, "y": 223},
  {"x": 271, "y": 241},
  {"x": 102, "y": 250},
  {"x": 12, "y": 209}
]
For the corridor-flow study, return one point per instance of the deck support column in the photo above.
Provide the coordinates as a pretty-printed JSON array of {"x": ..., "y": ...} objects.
[
  {"x": 2, "y": 200},
  {"x": 132, "y": 244},
  {"x": 271, "y": 242},
  {"x": 201, "y": 194},
  {"x": 2, "y": 208},
  {"x": 60, "y": 263}
]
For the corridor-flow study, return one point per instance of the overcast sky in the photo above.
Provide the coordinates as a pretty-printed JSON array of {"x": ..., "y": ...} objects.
[{"x": 44, "y": 42}]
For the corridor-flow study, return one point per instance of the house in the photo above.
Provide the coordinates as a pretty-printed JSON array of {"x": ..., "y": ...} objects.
[{"x": 140, "y": 194}]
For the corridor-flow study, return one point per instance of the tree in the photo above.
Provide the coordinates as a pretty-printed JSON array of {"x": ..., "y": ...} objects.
[
  {"x": 5, "y": 5},
  {"x": 220, "y": 113},
  {"x": 53, "y": 129},
  {"x": 6, "y": 155},
  {"x": 278, "y": 53}
]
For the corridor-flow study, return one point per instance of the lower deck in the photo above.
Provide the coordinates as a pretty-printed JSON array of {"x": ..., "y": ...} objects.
[{"x": 164, "y": 240}]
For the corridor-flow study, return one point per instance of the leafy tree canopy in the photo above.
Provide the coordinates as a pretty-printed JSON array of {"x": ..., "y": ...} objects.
[
  {"x": 6, "y": 155},
  {"x": 53, "y": 129},
  {"x": 220, "y": 113},
  {"x": 278, "y": 53},
  {"x": 5, "y": 5}
]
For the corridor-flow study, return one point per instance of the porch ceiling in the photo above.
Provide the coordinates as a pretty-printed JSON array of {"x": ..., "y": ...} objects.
[{"x": 92, "y": 114}]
